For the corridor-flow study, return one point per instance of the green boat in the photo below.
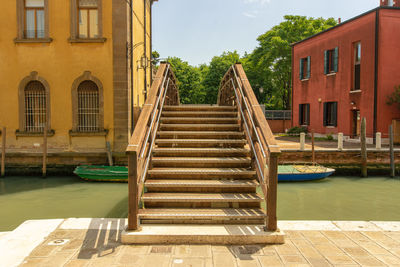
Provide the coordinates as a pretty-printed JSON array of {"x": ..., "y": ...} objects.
[{"x": 286, "y": 173}]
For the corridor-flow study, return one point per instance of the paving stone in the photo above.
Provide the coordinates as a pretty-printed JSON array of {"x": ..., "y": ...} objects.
[
  {"x": 200, "y": 251},
  {"x": 306, "y": 248},
  {"x": 315, "y": 237},
  {"x": 356, "y": 226},
  {"x": 248, "y": 250},
  {"x": 373, "y": 248},
  {"x": 356, "y": 251},
  {"x": 57, "y": 260},
  {"x": 43, "y": 251},
  {"x": 318, "y": 261},
  {"x": 161, "y": 249},
  {"x": 293, "y": 235},
  {"x": 393, "y": 235},
  {"x": 221, "y": 249},
  {"x": 369, "y": 261},
  {"x": 328, "y": 249},
  {"x": 32, "y": 262},
  {"x": 287, "y": 249},
  {"x": 356, "y": 236},
  {"x": 339, "y": 259},
  {"x": 102, "y": 262},
  {"x": 187, "y": 262},
  {"x": 297, "y": 260},
  {"x": 73, "y": 244},
  {"x": 127, "y": 260},
  {"x": 270, "y": 260},
  {"x": 269, "y": 250},
  {"x": 382, "y": 239},
  {"x": 224, "y": 259},
  {"x": 389, "y": 259},
  {"x": 77, "y": 263},
  {"x": 248, "y": 263},
  {"x": 135, "y": 249}
]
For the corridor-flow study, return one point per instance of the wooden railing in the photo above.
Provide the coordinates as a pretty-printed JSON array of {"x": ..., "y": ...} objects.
[
  {"x": 164, "y": 90},
  {"x": 235, "y": 90}
]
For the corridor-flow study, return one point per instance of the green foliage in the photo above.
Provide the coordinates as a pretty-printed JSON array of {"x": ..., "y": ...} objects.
[
  {"x": 215, "y": 72},
  {"x": 269, "y": 65},
  {"x": 297, "y": 130},
  {"x": 394, "y": 98},
  {"x": 189, "y": 81},
  {"x": 155, "y": 58},
  {"x": 329, "y": 137}
]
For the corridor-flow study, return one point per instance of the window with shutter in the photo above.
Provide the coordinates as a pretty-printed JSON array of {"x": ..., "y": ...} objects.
[
  {"x": 357, "y": 67},
  {"x": 304, "y": 114},
  {"x": 330, "y": 114},
  {"x": 305, "y": 71},
  {"x": 331, "y": 61}
]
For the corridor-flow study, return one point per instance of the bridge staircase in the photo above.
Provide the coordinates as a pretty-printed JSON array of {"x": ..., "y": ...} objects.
[{"x": 202, "y": 173}]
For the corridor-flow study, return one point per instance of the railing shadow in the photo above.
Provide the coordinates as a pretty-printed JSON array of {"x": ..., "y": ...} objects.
[{"x": 102, "y": 238}]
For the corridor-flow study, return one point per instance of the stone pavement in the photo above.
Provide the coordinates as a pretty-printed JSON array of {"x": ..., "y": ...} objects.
[{"x": 96, "y": 242}]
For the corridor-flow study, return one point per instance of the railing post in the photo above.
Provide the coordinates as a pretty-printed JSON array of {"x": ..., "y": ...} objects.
[
  {"x": 378, "y": 141},
  {"x": 272, "y": 224},
  {"x": 302, "y": 141},
  {"x": 133, "y": 210},
  {"x": 340, "y": 141}
]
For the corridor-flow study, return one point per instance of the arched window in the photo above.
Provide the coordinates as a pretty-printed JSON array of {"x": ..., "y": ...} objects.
[
  {"x": 88, "y": 107},
  {"x": 35, "y": 107}
]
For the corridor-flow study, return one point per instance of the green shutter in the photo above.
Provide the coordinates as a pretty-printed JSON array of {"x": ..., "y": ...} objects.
[
  {"x": 326, "y": 62},
  {"x": 300, "y": 114},
  {"x": 325, "y": 113},
  {"x": 308, "y": 114},
  {"x": 336, "y": 59},
  {"x": 334, "y": 114},
  {"x": 308, "y": 67},
  {"x": 301, "y": 69}
]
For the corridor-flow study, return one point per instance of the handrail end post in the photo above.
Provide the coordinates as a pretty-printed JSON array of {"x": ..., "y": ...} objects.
[
  {"x": 272, "y": 223},
  {"x": 133, "y": 208}
]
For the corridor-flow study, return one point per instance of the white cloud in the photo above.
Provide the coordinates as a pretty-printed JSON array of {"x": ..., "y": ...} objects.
[
  {"x": 249, "y": 15},
  {"x": 261, "y": 2}
]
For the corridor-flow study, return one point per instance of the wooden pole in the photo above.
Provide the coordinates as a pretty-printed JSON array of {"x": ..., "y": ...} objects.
[
  {"x": 133, "y": 198},
  {"x": 391, "y": 143},
  {"x": 44, "y": 168},
  {"x": 313, "y": 147},
  {"x": 272, "y": 223},
  {"x": 109, "y": 153},
  {"x": 3, "y": 152},
  {"x": 364, "y": 171}
]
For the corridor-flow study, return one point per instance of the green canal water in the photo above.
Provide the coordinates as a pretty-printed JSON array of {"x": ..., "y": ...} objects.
[{"x": 335, "y": 198}]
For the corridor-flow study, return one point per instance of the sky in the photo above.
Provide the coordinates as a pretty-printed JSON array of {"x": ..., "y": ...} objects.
[{"x": 196, "y": 31}]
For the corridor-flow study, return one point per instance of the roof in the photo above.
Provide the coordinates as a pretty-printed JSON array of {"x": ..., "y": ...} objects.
[{"x": 345, "y": 22}]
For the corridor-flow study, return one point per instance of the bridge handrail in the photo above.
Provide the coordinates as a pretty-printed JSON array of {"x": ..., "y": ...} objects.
[
  {"x": 163, "y": 90},
  {"x": 235, "y": 90}
]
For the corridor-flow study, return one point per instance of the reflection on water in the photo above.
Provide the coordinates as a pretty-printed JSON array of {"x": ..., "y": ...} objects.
[{"x": 335, "y": 198}]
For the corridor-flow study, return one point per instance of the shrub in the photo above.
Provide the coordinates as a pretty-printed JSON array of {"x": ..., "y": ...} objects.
[{"x": 297, "y": 130}]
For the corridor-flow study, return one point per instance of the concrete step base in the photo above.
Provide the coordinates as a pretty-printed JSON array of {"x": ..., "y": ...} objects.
[{"x": 202, "y": 234}]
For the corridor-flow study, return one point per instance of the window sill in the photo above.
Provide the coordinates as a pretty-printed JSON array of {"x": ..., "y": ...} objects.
[
  {"x": 331, "y": 127},
  {"x": 355, "y": 91},
  {"x": 304, "y": 80},
  {"x": 331, "y": 74},
  {"x": 19, "y": 133},
  {"x": 28, "y": 41},
  {"x": 88, "y": 134},
  {"x": 93, "y": 40}
]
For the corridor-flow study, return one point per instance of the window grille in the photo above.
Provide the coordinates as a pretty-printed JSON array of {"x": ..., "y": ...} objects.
[
  {"x": 88, "y": 107},
  {"x": 35, "y": 107}
]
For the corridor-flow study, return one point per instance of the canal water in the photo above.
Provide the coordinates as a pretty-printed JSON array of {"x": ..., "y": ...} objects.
[{"x": 335, "y": 198}]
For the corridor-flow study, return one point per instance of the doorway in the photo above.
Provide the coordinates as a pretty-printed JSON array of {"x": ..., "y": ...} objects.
[{"x": 356, "y": 127}]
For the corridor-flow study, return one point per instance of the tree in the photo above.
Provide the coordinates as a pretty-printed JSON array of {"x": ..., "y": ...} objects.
[
  {"x": 189, "y": 81},
  {"x": 394, "y": 98},
  {"x": 269, "y": 65},
  {"x": 155, "y": 58},
  {"x": 214, "y": 73}
]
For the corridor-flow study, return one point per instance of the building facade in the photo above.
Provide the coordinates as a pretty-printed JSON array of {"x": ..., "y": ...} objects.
[
  {"x": 79, "y": 68},
  {"x": 347, "y": 72}
]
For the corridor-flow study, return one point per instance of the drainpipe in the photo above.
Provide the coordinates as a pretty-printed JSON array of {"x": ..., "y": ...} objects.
[
  {"x": 145, "y": 49},
  {"x": 151, "y": 41},
  {"x": 376, "y": 73},
  {"x": 131, "y": 65}
]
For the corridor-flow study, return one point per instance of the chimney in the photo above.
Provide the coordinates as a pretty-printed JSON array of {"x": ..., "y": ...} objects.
[{"x": 393, "y": 3}]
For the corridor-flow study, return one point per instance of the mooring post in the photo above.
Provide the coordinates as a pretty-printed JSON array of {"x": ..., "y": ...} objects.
[
  {"x": 378, "y": 139},
  {"x": 340, "y": 141},
  {"x": 44, "y": 168},
  {"x": 391, "y": 143},
  {"x": 302, "y": 141},
  {"x": 3, "y": 152},
  {"x": 109, "y": 154},
  {"x": 364, "y": 172},
  {"x": 313, "y": 147}
]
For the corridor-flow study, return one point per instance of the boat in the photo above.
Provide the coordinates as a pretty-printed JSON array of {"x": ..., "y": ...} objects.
[{"x": 286, "y": 173}]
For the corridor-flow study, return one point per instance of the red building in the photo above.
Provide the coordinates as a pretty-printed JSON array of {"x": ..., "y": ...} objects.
[{"x": 347, "y": 72}]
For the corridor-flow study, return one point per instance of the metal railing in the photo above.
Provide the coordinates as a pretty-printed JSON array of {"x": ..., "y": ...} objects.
[
  {"x": 235, "y": 90},
  {"x": 163, "y": 91},
  {"x": 278, "y": 114}
]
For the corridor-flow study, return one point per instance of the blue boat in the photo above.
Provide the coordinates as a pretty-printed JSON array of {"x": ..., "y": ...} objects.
[{"x": 302, "y": 172}]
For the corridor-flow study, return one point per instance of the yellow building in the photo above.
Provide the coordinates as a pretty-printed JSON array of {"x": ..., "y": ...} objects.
[{"x": 67, "y": 64}]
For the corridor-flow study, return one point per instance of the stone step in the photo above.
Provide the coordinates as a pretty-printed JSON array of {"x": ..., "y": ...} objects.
[
  {"x": 201, "y": 173},
  {"x": 201, "y": 142},
  {"x": 199, "y": 108},
  {"x": 200, "y": 134},
  {"x": 240, "y": 234},
  {"x": 199, "y": 127},
  {"x": 209, "y": 162},
  {"x": 200, "y": 152},
  {"x": 202, "y": 113},
  {"x": 190, "y": 120},
  {"x": 201, "y": 214}
]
